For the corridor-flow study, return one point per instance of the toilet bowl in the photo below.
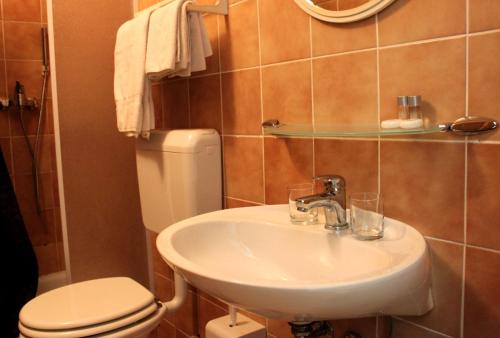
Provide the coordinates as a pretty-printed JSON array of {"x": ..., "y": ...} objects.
[{"x": 107, "y": 307}]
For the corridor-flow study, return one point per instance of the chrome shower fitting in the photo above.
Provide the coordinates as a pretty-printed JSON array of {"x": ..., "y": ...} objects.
[{"x": 22, "y": 102}]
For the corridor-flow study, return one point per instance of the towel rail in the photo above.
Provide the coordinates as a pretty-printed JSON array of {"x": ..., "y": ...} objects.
[{"x": 220, "y": 7}]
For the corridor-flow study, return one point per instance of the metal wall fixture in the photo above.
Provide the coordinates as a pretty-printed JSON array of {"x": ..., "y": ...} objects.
[
  {"x": 470, "y": 125},
  {"x": 220, "y": 7}
]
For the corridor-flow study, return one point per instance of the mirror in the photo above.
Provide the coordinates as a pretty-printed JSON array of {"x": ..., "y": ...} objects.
[{"x": 342, "y": 10}]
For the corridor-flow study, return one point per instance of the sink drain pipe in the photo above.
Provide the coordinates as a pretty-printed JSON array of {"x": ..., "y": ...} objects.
[
  {"x": 180, "y": 295},
  {"x": 316, "y": 329}
]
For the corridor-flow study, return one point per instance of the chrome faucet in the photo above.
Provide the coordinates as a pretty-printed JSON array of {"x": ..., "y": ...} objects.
[{"x": 332, "y": 200}]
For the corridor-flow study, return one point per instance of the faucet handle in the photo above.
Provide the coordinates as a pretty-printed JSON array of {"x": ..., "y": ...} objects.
[{"x": 333, "y": 183}]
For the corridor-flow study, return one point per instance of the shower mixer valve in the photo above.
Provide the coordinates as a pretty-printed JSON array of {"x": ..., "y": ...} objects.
[
  {"x": 30, "y": 103},
  {"x": 22, "y": 101}
]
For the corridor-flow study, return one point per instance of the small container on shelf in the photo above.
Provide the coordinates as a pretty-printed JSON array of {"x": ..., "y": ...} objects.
[
  {"x": 403, "y": 114},
  {"x": 414, "y": 112},
  {"x": 403, "y": 109}
]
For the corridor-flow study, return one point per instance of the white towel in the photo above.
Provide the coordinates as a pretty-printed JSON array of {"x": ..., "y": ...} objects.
[
  {"x": 177, "y": 42},
  {"x": 168, "y": 42},
  {"x": 132, "y": 88},
  {"x": 200, "y": 44}
]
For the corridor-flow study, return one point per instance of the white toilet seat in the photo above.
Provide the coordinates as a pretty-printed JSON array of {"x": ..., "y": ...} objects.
[{"x": 92, "y": 309}]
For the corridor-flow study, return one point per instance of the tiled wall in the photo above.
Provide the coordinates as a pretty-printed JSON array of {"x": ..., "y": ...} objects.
[
  {"x": 271, "y": 60},
  {"x": 20, "y": 59}
]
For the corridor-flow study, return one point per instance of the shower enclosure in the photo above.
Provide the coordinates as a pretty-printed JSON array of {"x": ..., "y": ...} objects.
[{"x": 27, "y": 133}]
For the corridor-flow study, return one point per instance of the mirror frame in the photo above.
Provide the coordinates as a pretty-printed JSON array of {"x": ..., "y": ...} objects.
[{"x": 350, "y": 15}]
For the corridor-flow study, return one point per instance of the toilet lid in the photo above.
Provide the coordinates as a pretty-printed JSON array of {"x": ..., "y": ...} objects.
[{"x": 87, "y": 303}]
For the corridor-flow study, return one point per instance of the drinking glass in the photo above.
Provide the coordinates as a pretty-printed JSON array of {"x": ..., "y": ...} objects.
[
  {"x": 298, "y": 217},
  {"x": 367, "y": 217}
]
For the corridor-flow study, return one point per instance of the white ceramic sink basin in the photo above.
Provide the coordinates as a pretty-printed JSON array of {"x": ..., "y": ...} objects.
[{"x": 255, "y": 259}]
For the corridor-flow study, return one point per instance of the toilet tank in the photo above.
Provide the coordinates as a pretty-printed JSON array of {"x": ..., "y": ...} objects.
[{"x": 180, "y": 176}]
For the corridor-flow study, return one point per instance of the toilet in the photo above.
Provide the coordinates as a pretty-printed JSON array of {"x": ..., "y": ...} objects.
[{"x": 179, "y": 174}]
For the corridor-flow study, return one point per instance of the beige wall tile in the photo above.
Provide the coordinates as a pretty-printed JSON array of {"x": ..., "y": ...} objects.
[
  {"x": 165, "y": 330},
  {"x": 284, "y": 31},
  {"x": 384, "y": 326},
  {"x": 185, "y": 319},
  {"x": 257, "y": 318},
  {"x": 423, "y": 185},
  {"x": 234, "y": 203},
  {"x": 211, "y": 299},
  {"x": 287, "y": 161},
  {"x": 26, "y": 72},
  {"x": 239, "y": 39},
  {"x": 156, "y": 96},
  {"x": 345, "y": 89},
  {"x": 446, "y": 264},
  {"x": 401, "y": 329},
  {"x": 26, "y": 196},
  {"x": 160, "y": 267},
  {"x": 206, "y": 312},
  {"x": 279, "y": 328},
  {"x": 411, "y": 20},
  {"x": 483, "y": 185},
  {"x": 26, "y": 10},
  {"x": 44, "y": 11},
  {"x": 484, "y": 15},
  {"x": 241, "y": 102},
  {"x": 30, "y": 120},
  {"x": 22, "y": 41},
  {"x": 484, "y": 76},
  {"x": 286, "y": 92},
  {"x": 482, "y": 300},
  {"x": 175, "y": 102},
  {"x": 356, "y": 161},
  {"x": 22, "y": 156},
  {"x": 41, "y": 228},
  {"x": 163, "y": 288},
  {"x": 434, "y": 70},
  {"x": 329, "y": 38},
  {"x": 366, "y": 327},
  {"x": 243, "y": 168},
  {"x": 205, "y": 103}
]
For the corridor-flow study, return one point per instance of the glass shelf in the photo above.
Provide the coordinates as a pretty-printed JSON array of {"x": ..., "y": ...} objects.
[{"x": 343, "y": 131}]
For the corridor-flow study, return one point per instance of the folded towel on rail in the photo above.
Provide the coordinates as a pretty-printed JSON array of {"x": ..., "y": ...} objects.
[
  {"x": 134, "y": 104},
  {"x": 177, "y": 42},
  {"x": 200, "y": 43}
]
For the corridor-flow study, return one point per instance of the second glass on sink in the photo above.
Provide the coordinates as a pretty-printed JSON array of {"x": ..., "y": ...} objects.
[{"x": 367, "y": 216}]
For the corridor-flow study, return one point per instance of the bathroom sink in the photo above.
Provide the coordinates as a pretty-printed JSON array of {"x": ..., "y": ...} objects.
[{"x": 255, "y": 259}]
